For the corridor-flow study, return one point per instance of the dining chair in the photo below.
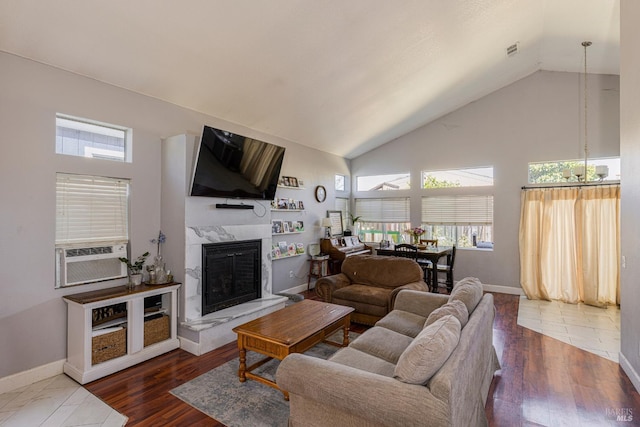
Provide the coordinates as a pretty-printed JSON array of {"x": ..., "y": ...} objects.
[
  {"x": 448, "y": 270},
  {"x": 406, "y": 250}
]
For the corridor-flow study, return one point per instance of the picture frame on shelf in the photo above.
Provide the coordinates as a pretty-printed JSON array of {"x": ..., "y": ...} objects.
[
  {"x": 293, "y": 181},
  {"x": 283, "y": 204},
  {"x": 291, "y": 249},
  {"x": 286, "y": 226},
  {"x": 276, "y": 226},
  {"x": 299, "y": 248},
  {"x": 284, "y": 248},
  {"x": 275, "y": 252},
  {"x": 300, "y": 205},
  {"x": 298, "y": 226}
]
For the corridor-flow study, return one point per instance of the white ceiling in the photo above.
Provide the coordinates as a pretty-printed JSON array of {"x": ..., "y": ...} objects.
[{"x": 340, "y": 76}]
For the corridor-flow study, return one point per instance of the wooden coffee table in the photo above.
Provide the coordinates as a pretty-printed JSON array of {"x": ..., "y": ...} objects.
[{"x": 293, "y": 329}]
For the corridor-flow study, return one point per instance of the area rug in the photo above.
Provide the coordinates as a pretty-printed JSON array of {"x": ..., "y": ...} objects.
[{"x": 220, "y": 394}]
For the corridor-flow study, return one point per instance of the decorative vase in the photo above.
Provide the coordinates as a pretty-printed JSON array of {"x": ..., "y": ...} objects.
[
  {"x": 135, "y": 279},
  {"x": 416, "y": 239}
]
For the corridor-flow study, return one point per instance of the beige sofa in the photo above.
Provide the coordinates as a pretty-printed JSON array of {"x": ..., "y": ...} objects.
[
  {"x": 369, "y": 284},
  {"x": 427, "y": 363}
]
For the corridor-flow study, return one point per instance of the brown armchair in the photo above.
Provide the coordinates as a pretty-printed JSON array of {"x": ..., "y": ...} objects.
[{"x": 370, "y": 283}]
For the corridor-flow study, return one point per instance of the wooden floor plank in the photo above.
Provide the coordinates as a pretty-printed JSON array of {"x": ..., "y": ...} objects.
[{"x": 543, "y": 382}]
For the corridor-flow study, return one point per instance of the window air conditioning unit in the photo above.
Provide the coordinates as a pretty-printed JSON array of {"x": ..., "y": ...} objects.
[{"x": 75, "y": 266}]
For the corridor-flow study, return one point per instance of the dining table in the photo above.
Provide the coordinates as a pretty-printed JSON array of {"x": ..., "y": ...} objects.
[{"x": 431, "y": 253}]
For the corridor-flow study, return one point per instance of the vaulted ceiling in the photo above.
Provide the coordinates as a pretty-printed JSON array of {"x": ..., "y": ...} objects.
[{"x": 340, "y": 76}]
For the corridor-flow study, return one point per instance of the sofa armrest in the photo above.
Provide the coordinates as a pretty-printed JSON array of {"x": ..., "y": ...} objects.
[
  {"x": 421, "y": 303},
  {"x": 327, "y": 284},
  {"x": 413, "y": 286},
  {"x": 375, "y": 398}
]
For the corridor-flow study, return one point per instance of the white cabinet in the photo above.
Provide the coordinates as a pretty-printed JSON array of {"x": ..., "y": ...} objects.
[{"x": 111, "y": 329}]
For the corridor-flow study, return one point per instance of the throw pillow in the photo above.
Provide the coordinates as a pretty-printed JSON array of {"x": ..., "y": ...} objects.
[
  {"x": 428, "y": 351},
  {"x": 469, "y": 291},
  {"x": 456, "y": 308}
]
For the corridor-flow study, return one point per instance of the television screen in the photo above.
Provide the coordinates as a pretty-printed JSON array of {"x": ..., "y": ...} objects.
[{"x": 234, "y": 166}]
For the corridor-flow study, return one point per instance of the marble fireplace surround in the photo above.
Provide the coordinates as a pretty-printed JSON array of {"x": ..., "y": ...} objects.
[{"x": 200, "y": 334}]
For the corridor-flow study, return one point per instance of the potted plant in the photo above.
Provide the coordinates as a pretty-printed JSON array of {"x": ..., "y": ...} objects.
[
  {"x": 135, "y": 268},
  {"x": 354, "y": 227}
]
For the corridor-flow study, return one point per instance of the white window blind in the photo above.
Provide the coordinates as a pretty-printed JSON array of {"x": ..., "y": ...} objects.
[
  {"x": 91, "y": 209},
  {"x": 383, "y": 210},
  {"x": 457, "y": 210}
]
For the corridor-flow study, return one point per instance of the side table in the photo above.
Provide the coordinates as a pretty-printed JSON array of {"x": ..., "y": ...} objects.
[{"x": 318, "y": 267}]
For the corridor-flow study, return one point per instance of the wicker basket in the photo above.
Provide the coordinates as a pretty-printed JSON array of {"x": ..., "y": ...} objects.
[
  {"x": 108, "y": 346},
  {"x": 156, "y": 330}
]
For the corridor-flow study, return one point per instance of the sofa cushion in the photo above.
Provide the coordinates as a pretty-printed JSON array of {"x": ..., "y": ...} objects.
[
  {"x": 403, "y": 322},
  {"x": 469, "y": 291},
  {"x": 349, "y": 356},
  {"x": 383, "y": 343},
  {"x": 456, "y": 308},
  {"x": 381, "y": 271},
  {"x": 428, "y": 351},
  {"x": 370, "y": 295}
]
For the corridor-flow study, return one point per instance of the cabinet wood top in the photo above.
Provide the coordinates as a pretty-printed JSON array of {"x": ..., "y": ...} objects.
[{"x": 115, "y": 292}]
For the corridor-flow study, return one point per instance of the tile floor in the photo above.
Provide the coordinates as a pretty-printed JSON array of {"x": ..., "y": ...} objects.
[
  {"x": 596, "y": 330},
  {"x": 56, "y": 402}
]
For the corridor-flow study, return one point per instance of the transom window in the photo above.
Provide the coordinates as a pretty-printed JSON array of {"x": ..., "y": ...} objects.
[
  {"x": 564, "y": 170},
  {"x": 471, "y": 177},
  {"x": 384, "y": 182},
  {"x": 86, "y": 138}
]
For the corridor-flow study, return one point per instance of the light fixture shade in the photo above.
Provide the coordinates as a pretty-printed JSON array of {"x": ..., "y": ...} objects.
[
  {"x": 326, "y": 222},
  {"x": 602, "y": 171}
]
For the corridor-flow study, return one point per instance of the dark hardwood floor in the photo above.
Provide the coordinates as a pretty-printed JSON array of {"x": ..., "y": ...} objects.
[{"x": 543, "y": 382}]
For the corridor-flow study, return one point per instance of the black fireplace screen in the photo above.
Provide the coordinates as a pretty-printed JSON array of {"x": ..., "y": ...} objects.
[{"x": 231, "y": 274}]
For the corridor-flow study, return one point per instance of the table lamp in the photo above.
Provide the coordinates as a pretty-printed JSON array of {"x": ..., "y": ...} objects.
[{"x": 326, "y": 222}]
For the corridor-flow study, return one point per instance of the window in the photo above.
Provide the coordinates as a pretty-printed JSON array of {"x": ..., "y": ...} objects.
[
  {"x": 382, "y": 219},
  {"x": 85, "y": 138},
  {"x": 464, "y": 220},
  {"x": 91, "y": 209},
  {"x": 472, "y": 177},
  {"x": 340, "y": 180},
  {"x": 342, "y": 205},
  {"x": 550, "y": 172},
  {"x": 383, "y": 182}
]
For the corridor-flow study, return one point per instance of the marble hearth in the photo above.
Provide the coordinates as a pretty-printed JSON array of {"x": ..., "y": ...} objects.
[{"x": 200, "y": 334}]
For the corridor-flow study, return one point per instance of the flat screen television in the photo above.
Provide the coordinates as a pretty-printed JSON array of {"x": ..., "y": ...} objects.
[{"x": 229, "y": 165}]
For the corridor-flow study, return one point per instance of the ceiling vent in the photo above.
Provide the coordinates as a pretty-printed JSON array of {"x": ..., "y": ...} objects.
[{"x": 513, "y": 49}]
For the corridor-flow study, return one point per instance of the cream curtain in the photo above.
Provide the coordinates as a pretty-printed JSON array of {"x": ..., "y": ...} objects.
[{"x": 570, "y": 244}]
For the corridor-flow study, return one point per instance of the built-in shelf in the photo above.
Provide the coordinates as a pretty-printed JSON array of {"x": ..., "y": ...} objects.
[
  {"x": 290, "y": 232},
  {"x": 291, "y": 188},
  {"x": 287, "y": 210}
]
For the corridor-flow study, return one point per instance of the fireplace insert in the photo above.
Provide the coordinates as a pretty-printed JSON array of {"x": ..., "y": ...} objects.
[{"x": 231, "y": 274}]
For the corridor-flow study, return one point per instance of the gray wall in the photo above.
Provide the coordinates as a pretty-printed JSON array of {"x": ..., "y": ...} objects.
[
  {"x": 32, "y": 312},
  {"x": 537, "y": 118},
  {"x": 630, "y": 198}
]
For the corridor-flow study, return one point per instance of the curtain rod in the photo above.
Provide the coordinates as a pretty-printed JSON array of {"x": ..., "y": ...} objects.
[{"x": 590, "y": 184}]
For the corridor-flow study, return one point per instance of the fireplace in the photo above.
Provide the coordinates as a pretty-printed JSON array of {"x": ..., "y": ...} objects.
[{"x": 231, "y": 274}]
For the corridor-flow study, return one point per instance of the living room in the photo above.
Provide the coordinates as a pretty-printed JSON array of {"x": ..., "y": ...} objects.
[{"x": 535, "y": 118}]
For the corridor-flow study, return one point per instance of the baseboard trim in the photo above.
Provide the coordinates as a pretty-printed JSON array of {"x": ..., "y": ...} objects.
[
  {"x": 296, "y": 289},
  {"x": 30, "y": 376},
  {"x": 503, "y": 289},
  {"x": 190, "y": 346},
  {"x": 628, "y": 369}
]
